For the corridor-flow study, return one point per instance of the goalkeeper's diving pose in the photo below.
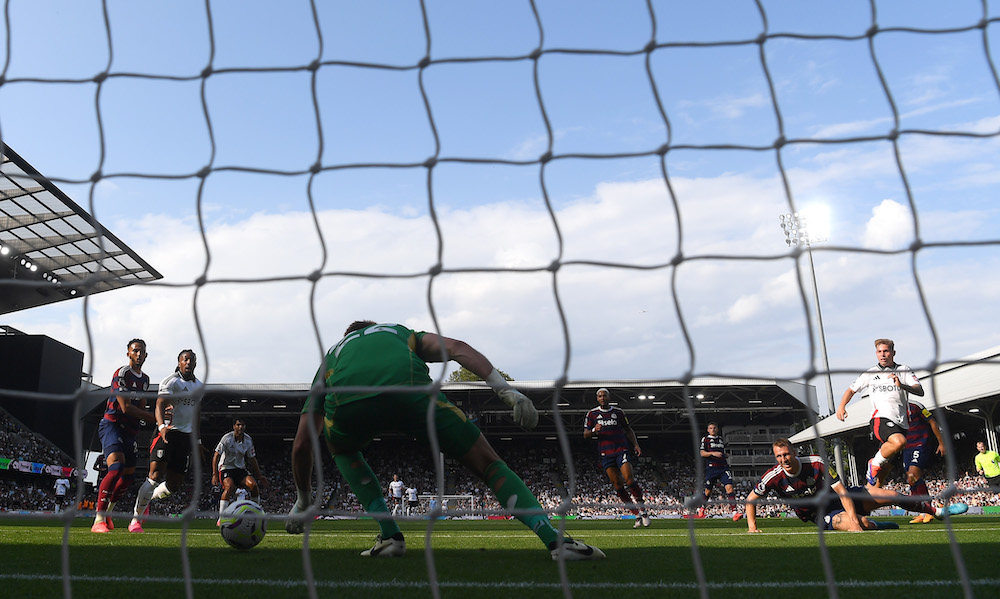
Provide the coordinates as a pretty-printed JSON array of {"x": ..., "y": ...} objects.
[{"x": 388, "y": 356}]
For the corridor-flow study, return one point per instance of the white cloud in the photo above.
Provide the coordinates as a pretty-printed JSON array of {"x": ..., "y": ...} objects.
[
  {"x": 890, "y": 227},
  {"x": 745, "y": 314}
]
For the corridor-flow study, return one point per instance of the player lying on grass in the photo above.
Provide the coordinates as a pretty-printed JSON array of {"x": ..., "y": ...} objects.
[
  {"x": 391, "y": 355},
  {"x": 800, "y": 478}
]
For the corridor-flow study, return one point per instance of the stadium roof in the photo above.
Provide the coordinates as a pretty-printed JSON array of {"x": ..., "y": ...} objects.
[
  {"x": 974, "y": 378},
  {"x": 654, "y": 407},
  {"x": 50, "y": 248}
]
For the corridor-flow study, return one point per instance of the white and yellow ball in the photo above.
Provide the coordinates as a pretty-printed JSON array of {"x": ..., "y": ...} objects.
[{"x": 243, "y": 524}]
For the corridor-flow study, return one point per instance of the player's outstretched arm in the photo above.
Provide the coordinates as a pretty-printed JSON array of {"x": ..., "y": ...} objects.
[
  {"x": 751, "y": 511},
  {"x": 160, "y": 412},
  {"x": 431, "y": 346},
  {"x": 842, "y": 408},
  {"x": 302, "y": 467},
  {"x": 133, "y": 410},
  {"x": 942, "y": 449},
  {"x": 630, "y": 434},
  {"x": 851, "y": 522},
  {"x": 215, "y": 469}
]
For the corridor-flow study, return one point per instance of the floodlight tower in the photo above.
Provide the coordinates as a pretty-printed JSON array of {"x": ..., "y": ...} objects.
[{"x": 796, "y": 228}]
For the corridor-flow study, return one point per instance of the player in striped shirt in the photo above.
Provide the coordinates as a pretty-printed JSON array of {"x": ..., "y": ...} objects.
[
  {"x": 889, "y": 385},
  {"x": 118, "y": 428},
  {"x": 800, "y": 481},
  {"x": 615, "y": 442},
  {"x": 713, "y": 449},
  {"x": 917, "y": 454}
]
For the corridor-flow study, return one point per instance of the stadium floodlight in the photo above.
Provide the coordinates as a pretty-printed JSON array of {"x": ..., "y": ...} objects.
[{"x": 797, "y": 232}]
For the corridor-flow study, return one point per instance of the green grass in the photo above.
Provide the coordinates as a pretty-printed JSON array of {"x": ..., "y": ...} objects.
[{"x": 494, "y": 559}]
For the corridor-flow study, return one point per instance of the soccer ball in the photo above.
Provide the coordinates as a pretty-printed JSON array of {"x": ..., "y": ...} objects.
[{"x": 243, "y": 524}]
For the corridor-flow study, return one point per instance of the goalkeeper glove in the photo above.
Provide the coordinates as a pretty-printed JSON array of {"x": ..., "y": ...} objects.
[{"x": 525, "y": 413}]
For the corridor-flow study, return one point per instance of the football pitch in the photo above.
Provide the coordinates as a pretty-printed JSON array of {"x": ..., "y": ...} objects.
[{"x": 487, "y": 559}]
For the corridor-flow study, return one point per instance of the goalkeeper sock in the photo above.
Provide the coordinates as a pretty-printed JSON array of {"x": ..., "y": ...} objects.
[
  {"x": 513, "y": 494},
  {"x": 367, "y": 489}
]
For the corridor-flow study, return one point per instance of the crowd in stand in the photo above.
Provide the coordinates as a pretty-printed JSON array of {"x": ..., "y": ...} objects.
[
  {"x": 667, "y": 478},
  {"x": 19, "y": 443}
]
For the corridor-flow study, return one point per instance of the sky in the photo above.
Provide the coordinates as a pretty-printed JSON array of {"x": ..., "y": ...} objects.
[{"x": 581, "y": 190}]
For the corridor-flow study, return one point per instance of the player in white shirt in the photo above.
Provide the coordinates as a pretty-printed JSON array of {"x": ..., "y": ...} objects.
[
  {"x": 234, "y": 453},
  {"x": 889, "y": 385},
  {"x": 396, "y": 488},
  {"x": 411, "y": 501},
  {"x": 61, "y": 487},
  {"x": 170, "y": 451}
]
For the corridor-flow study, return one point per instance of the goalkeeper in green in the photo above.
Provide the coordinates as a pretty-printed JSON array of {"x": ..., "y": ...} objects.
[{"x": 367, "y": 364}]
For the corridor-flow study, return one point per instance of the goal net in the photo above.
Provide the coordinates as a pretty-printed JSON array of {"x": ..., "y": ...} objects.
[{"x": 586, "y": 191}]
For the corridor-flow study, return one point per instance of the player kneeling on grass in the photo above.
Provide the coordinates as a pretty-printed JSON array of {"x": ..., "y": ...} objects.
[
  {"x": 391, "y": 355},
  {"x": 802, "y": 477}
]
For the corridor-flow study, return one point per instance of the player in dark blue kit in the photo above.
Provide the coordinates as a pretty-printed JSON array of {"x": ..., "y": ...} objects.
[
  {"x": 713, "y": 449},
  {"x": 800, "y": 478},
  {"x": 917, "y": 453},
  {"x": 615, "y": 442},
  {"x": 117, "y": 430}
]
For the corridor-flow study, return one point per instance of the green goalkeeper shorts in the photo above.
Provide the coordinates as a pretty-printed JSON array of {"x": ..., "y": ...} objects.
[{"x": 351, "y": 426}]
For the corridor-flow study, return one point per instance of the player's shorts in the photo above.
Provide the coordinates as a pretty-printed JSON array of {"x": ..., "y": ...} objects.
[
  {"x": 916, "y": 456},
  {"x": 115, "y": 440},
  {"x": 351, "y": 426},
  {"x": 176, "y": 450},
  {"x": 993, "y": 482},
  {"x": 834, "y": 506},
  {"x": 883, "y": 428},
  {"x": 239, "y": 475},
  {"x": 617, "y": 460},
  {"x": 413, "y": 504},
  {"x": 723, "y": 475}
]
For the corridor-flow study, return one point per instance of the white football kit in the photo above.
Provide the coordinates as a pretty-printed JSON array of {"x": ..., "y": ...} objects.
[
  {"x": 888, "y": 400},
  {"x": 234, "y": 454},
  {"x": 185, "y": 396},
  {"x": 396, "y": 489}
]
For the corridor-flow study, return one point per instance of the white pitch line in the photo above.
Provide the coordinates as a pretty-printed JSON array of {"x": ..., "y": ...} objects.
[{"x": 399, "y": 584}]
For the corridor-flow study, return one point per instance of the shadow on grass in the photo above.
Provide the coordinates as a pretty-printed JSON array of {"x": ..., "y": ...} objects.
[
  {"x": 128, "y": 572},
  {"x": 487, "y": 560}
]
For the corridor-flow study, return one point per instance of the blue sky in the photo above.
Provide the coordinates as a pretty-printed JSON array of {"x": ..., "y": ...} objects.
[{"x": 261, "y": 120}]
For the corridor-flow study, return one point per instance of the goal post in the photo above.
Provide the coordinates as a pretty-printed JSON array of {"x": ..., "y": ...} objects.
[{"x": 464, "y": 507}]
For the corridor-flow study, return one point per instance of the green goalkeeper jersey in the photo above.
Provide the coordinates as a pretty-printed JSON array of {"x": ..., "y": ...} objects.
[{"x": 381, "y": 355}]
